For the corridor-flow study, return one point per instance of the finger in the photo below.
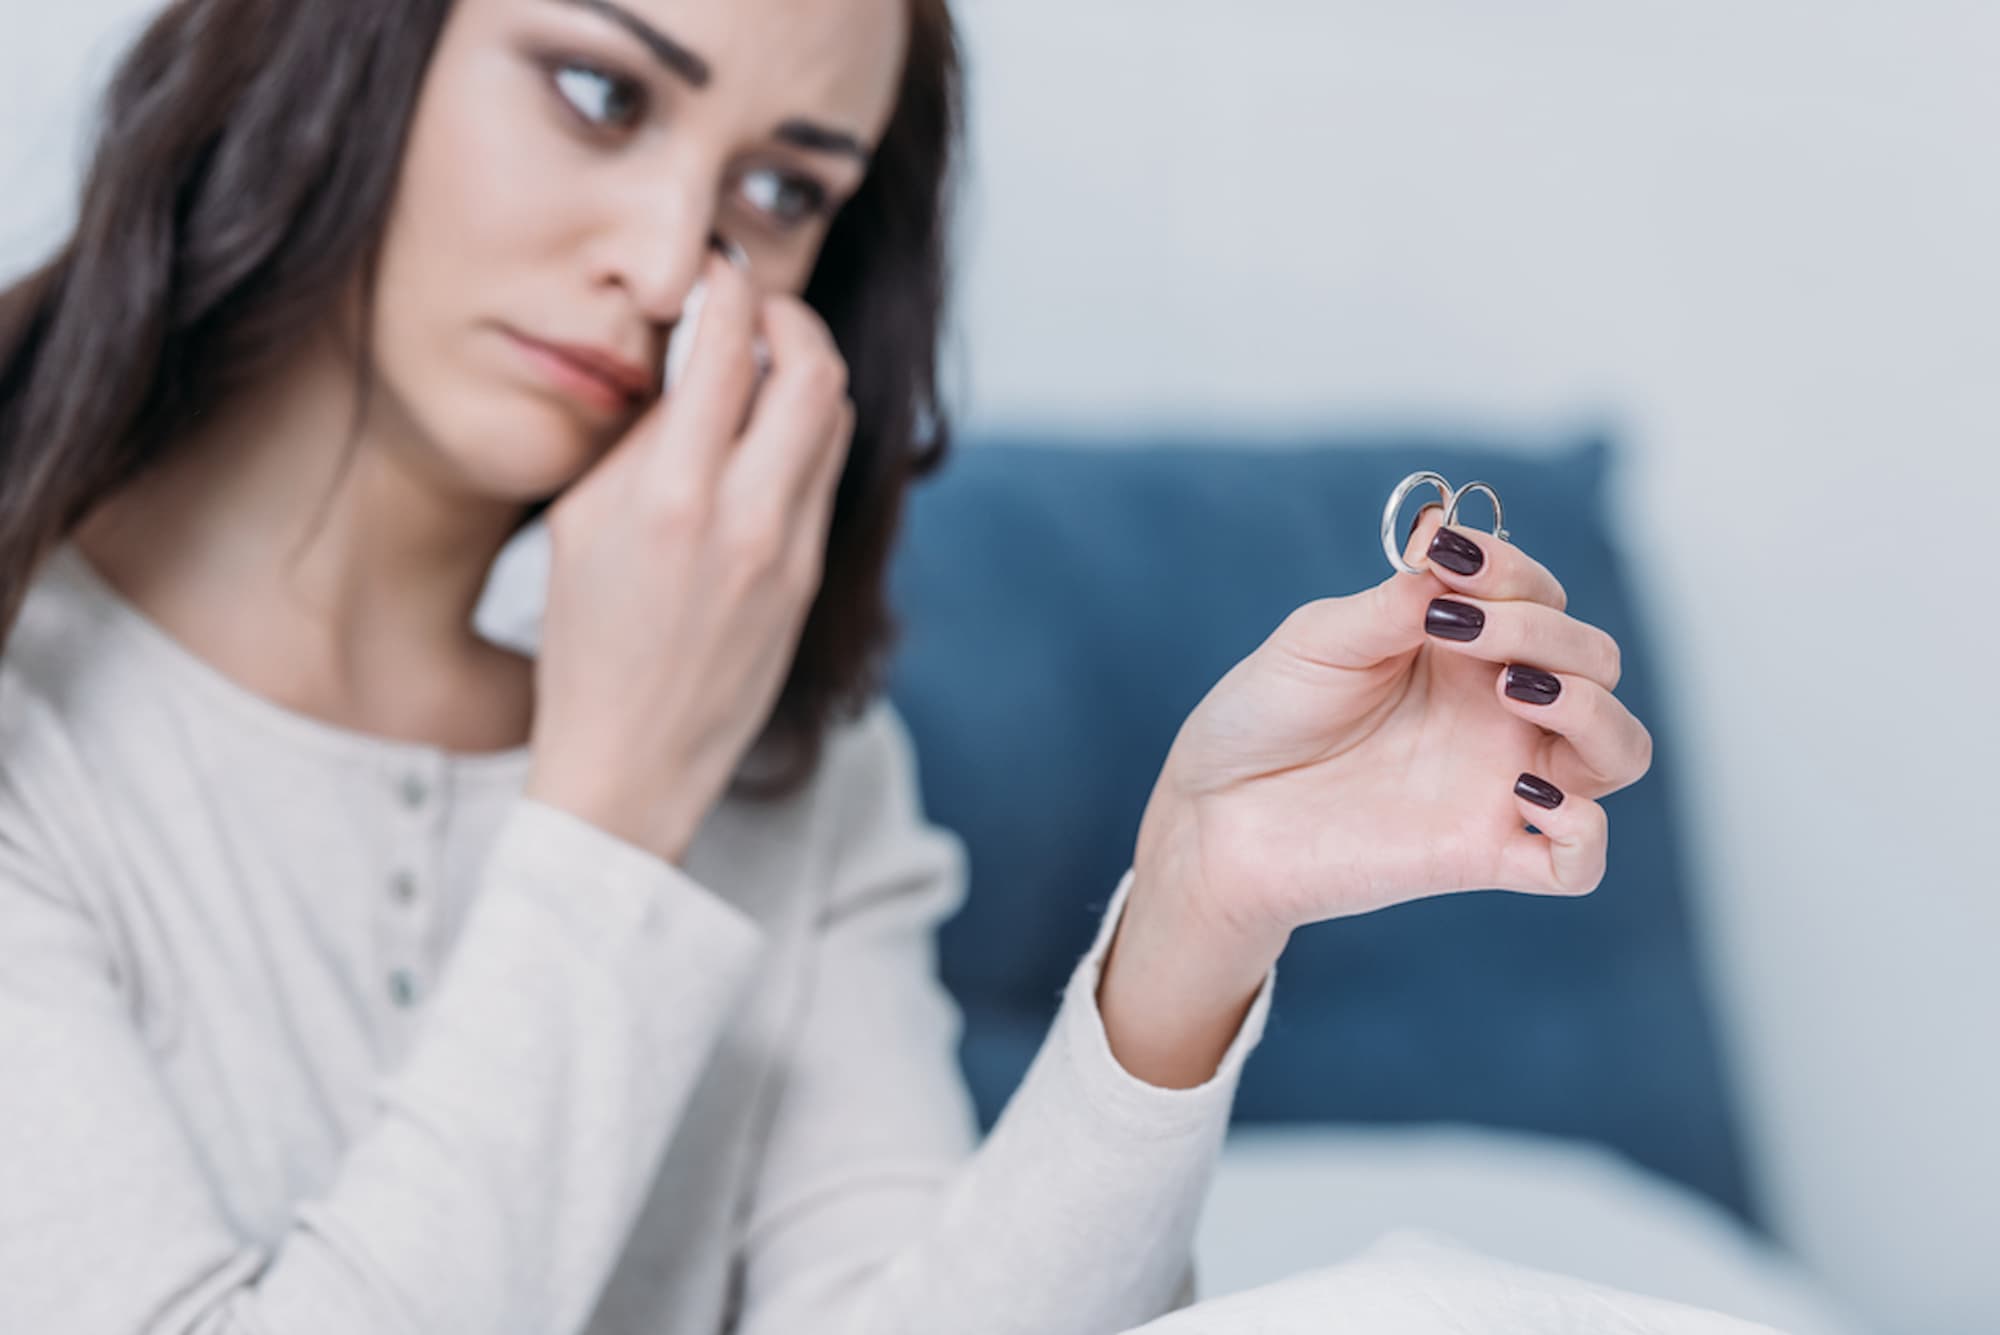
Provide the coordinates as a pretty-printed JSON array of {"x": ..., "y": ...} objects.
[
  {"x": 1522, "y": 632},
  {"x": 704, "y": 411},
  {"x": 1421, "y": 528},
  {"x": 801, "y": 400},
  {"x": 1567, "y": 857},
  {"x": 1376, "y": 624},
  {"x": 827, "y": 469},
  {"x": 1600, "y": 745},
  {"x": 1361, "y": 629},
  {"x": 1480, "y": 563}
]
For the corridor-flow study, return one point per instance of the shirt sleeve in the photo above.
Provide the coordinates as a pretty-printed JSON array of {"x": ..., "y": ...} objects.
[
  {"x": 874, "y": 1209},
  {"x": 503, "y": 1167}
]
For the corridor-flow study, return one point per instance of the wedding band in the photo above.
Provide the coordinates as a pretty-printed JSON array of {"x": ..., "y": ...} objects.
[{"x": 1392, "y": 511}]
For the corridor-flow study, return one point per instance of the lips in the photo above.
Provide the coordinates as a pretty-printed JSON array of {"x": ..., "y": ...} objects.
[
  {"x": 593, "y": 375},
  {"x": 628, "y": 377}
]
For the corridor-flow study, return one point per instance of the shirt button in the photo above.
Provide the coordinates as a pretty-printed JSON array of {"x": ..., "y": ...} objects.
[
  {"x": 414, "y": 790},
  {"x": 403, "y": 886},
  {"x": 402, "y": 987}
]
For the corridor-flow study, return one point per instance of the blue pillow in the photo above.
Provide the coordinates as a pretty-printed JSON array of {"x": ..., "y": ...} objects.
[{"x": 1065, "y": 604}]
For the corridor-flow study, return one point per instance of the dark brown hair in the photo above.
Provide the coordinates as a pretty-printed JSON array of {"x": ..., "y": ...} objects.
[{"x": 245, "y": 160}]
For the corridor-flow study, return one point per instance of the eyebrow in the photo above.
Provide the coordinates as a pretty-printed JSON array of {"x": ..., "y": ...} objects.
[{"x": 681, "y": 61}]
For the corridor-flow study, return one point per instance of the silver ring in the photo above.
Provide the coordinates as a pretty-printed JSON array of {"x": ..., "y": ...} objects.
[
  {"x": 1389, "y": 512},
  {"x": 1452, "y": 497},
  {"x": 1451, "y": 513},
  {"x": 734, "y": 253}
]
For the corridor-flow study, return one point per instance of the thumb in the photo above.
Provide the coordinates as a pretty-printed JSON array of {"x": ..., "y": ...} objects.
[
  {"x": 1379, "y": 623},
  {"x": 639, "y": 437},
  {"x": 617, "y": 470}
]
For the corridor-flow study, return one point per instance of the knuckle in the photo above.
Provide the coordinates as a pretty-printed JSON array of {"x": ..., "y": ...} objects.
[
  {"x": 1376, "y": 605},
  {"x": 1597, "y": 840},
  {"x": 793, "y": 320},
  {"x": 1593, "y": 706},
  {"x": 818, "y": 353},
  {"x": 777, "y": 318},
  {"x": 755, "y": 536},
  {"x": 1643, "y": 760},
  {"x": 1612, "y": 658},
  {"x": 676, "y": 501},
  {"x": 1299, "y": 623},
  {"x": 810, "y": 324},
  {"x": 826, "y": 378}
]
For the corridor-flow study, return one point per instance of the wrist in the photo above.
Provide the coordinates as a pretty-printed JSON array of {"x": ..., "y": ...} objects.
[
  {"x": 1180, "y": 890},
  {"x": 1172, "y": 995},
  {"x": 1176, "y": 932}
]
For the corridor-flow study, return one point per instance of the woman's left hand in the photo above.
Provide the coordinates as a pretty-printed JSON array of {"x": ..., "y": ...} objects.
[{"x": 1356, "y": 760}]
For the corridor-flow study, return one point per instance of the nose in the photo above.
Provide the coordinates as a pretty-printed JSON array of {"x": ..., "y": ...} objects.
[
  {"x": 660, "y": 249},
  {"x": 660, "y": 280}
]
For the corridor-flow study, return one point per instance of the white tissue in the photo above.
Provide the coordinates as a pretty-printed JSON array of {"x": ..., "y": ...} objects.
[
  {"x": 682, "y": 341},
  {"x": 680, "y": 345}
]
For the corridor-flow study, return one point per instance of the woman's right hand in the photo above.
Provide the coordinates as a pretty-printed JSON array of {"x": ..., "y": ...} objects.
[{"x": 682, "y": 567}]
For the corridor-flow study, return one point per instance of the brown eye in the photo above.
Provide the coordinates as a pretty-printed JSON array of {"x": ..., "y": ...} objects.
[
  {"x": 599, "y": 96},
  {"x": 788, "y": 199}
]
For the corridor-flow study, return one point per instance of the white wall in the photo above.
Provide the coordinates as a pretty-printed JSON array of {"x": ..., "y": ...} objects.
[
  {"x": 53, "y": 58},
  {"x": 1761, "y": 236}
]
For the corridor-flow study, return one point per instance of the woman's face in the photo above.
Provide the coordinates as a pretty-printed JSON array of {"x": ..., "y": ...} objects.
[{"x": 568, "y": 162}]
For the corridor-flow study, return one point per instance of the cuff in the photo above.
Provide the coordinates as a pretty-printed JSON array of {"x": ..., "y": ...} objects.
[
  {"x": 609, "y": 890},
  {"x": 1141, "y": 1108}
]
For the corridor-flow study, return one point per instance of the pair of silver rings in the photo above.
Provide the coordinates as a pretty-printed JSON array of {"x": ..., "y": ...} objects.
[{"x": 1452, "y": 498}]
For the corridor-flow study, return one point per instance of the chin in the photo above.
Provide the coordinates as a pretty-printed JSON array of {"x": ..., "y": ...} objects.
[{"x": 521, "y": 446}]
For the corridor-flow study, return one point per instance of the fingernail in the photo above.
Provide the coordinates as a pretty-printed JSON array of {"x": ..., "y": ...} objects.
[
  {"x": 1450, "y": 619},
  {"x": 1415, "y": 524},
  {"x": 1532, "y": 685},
  {"x": 1456, "y": 552},
  {"x": 1539, "y": 791}
]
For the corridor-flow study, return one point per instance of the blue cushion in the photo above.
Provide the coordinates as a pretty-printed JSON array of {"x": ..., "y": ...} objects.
[{"x": 1065, "y": 605}]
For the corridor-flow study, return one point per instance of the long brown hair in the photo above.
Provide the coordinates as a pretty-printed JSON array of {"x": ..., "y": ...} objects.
[{"x": 245, "y": 160}]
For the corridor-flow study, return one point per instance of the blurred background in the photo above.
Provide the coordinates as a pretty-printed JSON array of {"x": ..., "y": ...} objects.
[{"x": 1750, "y": 246}]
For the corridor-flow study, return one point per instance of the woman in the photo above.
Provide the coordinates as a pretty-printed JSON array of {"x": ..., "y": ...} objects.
[{"x": 364, "y": 974}]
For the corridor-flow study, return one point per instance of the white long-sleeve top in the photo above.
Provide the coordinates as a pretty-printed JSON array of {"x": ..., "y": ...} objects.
[{"x": 305, "y": 1031}]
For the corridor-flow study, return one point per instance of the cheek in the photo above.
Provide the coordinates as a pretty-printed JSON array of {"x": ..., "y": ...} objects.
[
  {"x": 477, "y": 204},
  {"x": 464, "y": 240}
]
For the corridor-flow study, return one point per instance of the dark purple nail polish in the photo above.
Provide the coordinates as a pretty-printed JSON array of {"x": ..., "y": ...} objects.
[
  {"x": 1539, "y": 791},
  {"x": 1532, "y": 685},
  {"x": 1450, "y": 619},
  {"x": 1456, "y": 552}
]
